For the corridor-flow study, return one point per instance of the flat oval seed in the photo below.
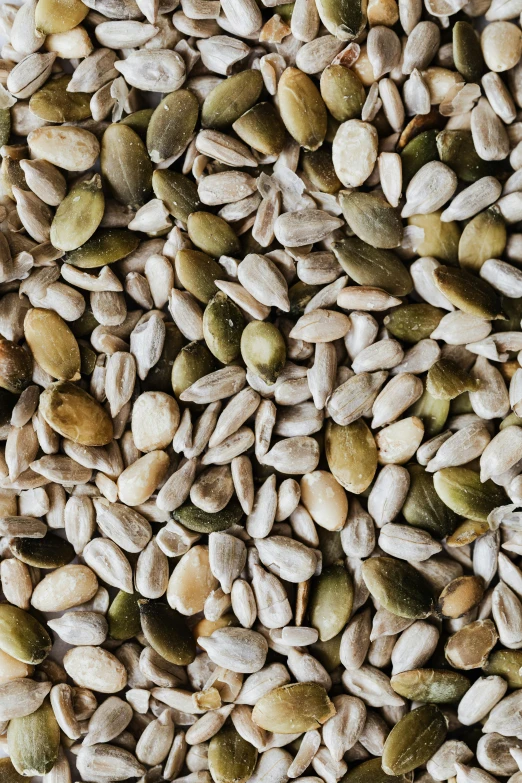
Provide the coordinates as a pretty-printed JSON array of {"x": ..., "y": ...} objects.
[
  {"x": 437, "y": 686},
  {"x": 294, "y": 708},
  {"x": 414, "y": 740},
  {"x": 125, "y": 165},
  {"x": 231, "y": 759},
  {"x": 21, "y": 636},
  {"x": 76, "y": 415},
  {"x": 79, "y": 215},
  {"x": 398, "y": 587},
  {"x": 166, "y": 632},
  {"x": 352, "y": 455},
  {"x": 171, "y": 125},
  {"x": 463, "y": 492},
  {"x": 302, "y": 109},
  {"x": 34, "y": 741},
  {"x": 331, "y": 601}
]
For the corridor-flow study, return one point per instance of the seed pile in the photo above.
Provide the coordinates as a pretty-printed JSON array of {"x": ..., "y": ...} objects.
[{"x": 261, "y": 391}]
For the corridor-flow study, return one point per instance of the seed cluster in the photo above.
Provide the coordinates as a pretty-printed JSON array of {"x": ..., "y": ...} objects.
[{"x": 261, "y": 391}]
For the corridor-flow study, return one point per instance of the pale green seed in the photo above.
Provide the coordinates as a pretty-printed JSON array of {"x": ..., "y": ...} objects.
[
  {"x": 22, "y": 636},
  {"x": 413, "y": 322},
  {"x": 346, "y": 19},
  {"x": 343, "y": 92},
  {"x": 437, "y": 686},
  {"x": 352, "y": 454},
  {"x": 123, "y": 616},
  {"x": 432, "y": 412},
  {"x": 166, "y": 632},
  {"x": 79, "y": 214},
  {"x": 423, "y": 508},
  {"x": 371, "y": 771},
  {"x": 196, "y": 272},
  {"x": 178, "y": 193},
  {"x": 172, "y": 125},
  {"x": 372, "y": 266},
  {"x": 292, "y": 709},
  {"x": 34, "y": 741},
  {"x": 200, "y": 521},
  {"x": 193, "y": 362},
  {"x": 463, "y": 492},
  {"x": 440, "y": 240},
  {"x": 76, "y": 415},
  {"x": 484, "y": 237},
  {"x": 446, "y": 380},
  {"x": 53, "y": 103},
  {"x": 212, "y": 234},
  {"x": 231, "y": 759},
  {"x": 263, "y": 350},
  {"x": 126, "y": 166},
  {"x": 414, "y": 740},
  {"x": 230, "y": 99},
  {"x": 223, "y": 324},
  {"x": 372, "y": 219},
  {"x": 261, "y": 127},
  {"x": 331, "y": 601},
  {"x": 398, "y": 587},
  {"x": 105, "y": 247},
  {"x": 302, "y": 109}
]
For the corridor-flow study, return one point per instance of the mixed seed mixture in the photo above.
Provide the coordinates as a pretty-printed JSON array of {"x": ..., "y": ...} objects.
[{"x": 261, "y": 391}]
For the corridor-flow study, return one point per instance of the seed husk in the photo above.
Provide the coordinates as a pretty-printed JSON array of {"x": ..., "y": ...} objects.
[
  {"x": 331, "y": 601},
  {"x": 76, "y": 415},
  {"x": 178, "y": 193},
  {"x": 263, "y": 350},
  {"x": 125, "y": 165},
  {"x": 105, "y": 247},
  {"x": 79, "y": 214},
  {"x": 413, "y": 740},
  {"x": 372, "y": 266},
  {"x": 437, "y": 686},
  {"x": 289, "y": 709},
  {"x": 352, "y": 455},
  {"x": 302, "y": 109},
  {"x": 22, "y": 636},
  {"x": 230, "y": 99},
  {"x": 172, "y": 125},
  {"x": 231, "y": 758},
  {"x": 462, "y": 491},
  {"x": 166, "y": 632},
  {"x": 200, "y": 521},
  {"x": 372, "y": 219},
  {"x": 34, "y": 741},
  {"x": 398, "y": 587}
]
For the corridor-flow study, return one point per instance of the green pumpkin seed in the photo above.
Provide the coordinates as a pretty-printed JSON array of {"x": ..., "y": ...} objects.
[
  {"x": 331, "y": 601},
  {"x": 446, "y": 380},
  {"x": 22, "y": 636},
  {"x": 263, "y": 350},
  {"x": 126, "y": 166},
  {"x": 223, "y": 324},
  {"x": 457, "y": 150},
  {"x": 468, "y": 292},
  {"x": 166, "y": 632},
  {"x": 212, "y": 235},
  {"x": 343, "y": 92},
  {"x": 511, "y": 421},
  {"x": 178, "y": 193},
  {"x": 413, "y": 322},
  {"x": 328, "y": 653},
  {"x": 59, "y": 16},
  {"x": 8, "y": 773},
  {"x": 231, "y": 759},
  {"x": 123, "y": 616},
  {"x": 192, "y": 363},
  {"x": 291, "y": 709},
  {"x": 79, "y": 214},
  {"x": 506, "y": 664},
  {"x": 467, "y": 53},
  {"x": 172, "y": 125},
  {"x": 138, "y": 121},
  {"x": 372, "y": 266},
  {"x": 200, "y": 521},
  {"x": 16, "y": 367},
  {"x": 420, "y": 150},
  {"x": 11, "y": 175},
  {"x": 230, "y": 99},
  {"x": 438, "y": 686},
  {"x": 105, "y": 247},
  {"x": 440, "y": 240},
  {"x": 159, "y": 377},
  {"x": 484, "y": 237},
  {"x": 318, "y": 167},
  {"x": 302, "y": 109},
  {"x": 49, "y": 552},
  {"x": 261, "y": 127},
  {"x": 346, "y": 19},
  {"x": 371, "y": 771},
  {"x": 196, "y": 272},
  {"x": 414, "y": 740},
  {"x": 76, "y": 415},
  {"x": 5, "y": 126},
  {"x": 352, "y": 454},
  {"x": 463, "y": 492},
  {"x": 34, "y": 741},
  {"x": 423, "y": 508},
  {"x": 372, "y": 219},
  {"x": 54, "y": 104},
  {"x": 398, "y": 587},
  {"x": 299, "y": 295},
  {"x": 433, "y": 413}
]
